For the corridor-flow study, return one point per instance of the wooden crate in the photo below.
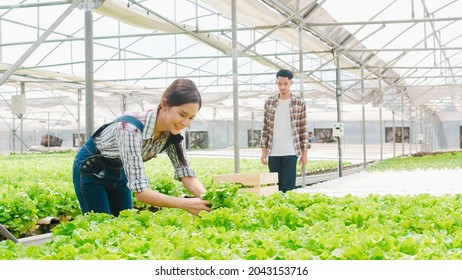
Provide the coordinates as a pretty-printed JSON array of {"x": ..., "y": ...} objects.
[{"x": 263, "y": 183}]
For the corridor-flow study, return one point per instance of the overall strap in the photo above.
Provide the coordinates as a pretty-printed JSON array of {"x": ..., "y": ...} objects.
[
  {"x": 124, "y": 118},
  {"x": 173, "y": 139},
  {"x": 132, "y": 120}
]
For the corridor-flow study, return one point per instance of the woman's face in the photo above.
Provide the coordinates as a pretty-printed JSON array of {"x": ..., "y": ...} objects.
[{"x": 179, "y": 117}]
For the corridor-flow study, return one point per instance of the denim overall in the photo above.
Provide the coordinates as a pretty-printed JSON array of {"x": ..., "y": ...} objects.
[{"x": 100, "y": 183}]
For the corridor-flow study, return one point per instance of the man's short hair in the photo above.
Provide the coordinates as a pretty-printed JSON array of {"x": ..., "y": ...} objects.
[{"x": 285, "y": 73}]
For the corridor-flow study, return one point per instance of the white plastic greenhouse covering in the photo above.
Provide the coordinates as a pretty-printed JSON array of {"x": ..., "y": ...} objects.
[{"x": 359, "y": 60}]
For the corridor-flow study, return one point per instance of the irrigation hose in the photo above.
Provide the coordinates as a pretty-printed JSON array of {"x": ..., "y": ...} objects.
[{"x": 8, "y": 234}]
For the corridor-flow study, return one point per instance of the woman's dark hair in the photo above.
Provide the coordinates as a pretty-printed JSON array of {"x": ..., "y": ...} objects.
[{"x": 180, "y": 92}]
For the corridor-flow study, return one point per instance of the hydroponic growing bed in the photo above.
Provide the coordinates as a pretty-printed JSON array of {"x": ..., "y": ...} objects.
[
  {"x": 281, "y": 226},
  {"x": 38, "y": 187}
]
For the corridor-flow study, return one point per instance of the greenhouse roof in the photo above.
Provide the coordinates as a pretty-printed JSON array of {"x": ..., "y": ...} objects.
[{"x": 405, "y": 56}]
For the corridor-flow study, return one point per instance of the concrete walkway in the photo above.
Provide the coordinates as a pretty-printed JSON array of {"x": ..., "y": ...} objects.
[{"x": 436, "y": 182}]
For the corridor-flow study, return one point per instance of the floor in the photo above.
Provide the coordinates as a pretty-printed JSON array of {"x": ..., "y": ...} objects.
[{"x": 436, "y": 182}]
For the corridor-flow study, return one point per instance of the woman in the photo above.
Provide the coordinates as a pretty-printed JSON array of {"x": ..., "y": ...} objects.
[{"x": 109, "y": 167}]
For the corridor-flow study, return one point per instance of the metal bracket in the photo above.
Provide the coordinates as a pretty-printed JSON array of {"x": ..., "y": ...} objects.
[
  {"x": 90, "y": 4},
  {"x": 8, "y": 234}
]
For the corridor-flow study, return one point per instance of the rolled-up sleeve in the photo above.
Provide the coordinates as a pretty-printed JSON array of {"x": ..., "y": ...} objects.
[
  {"x": 264, "y": 132},
  {"x": 180, "y": 170},
  {"x": 305, "y": 145}
]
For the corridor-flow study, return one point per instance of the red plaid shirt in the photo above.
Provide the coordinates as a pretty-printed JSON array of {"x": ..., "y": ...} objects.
[{"x": 298, "y": 120}]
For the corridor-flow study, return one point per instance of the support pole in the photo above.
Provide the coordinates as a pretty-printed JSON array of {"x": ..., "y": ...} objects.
[
  {"x": 380, "y": 120},
  {"x": 363, "y": 123},
  {"x": 421, "y": 140},
  {"x": 402, "y": 124},
  {"x": 252, "y": 127},
  {"x": 124, "y": 104},
  {"x": 14, "y": 135},
  {"x": 214, "y": 127},
  {"x": 394, "y": 133},
  {"x": 48, "y": 134},
  {"x": 300, "y": 55},
  {"x": 339, "y": 112},
  {"x": 235, "y": 86},
  {"x": 21, "y": 117},
  {"x": 79, "y": 93},
  {"x": 411, "y": 129},
  {"x": 1, "y": 41},
  {"x": 89, "y": 78},
  {"x": 302, "y": 82}
]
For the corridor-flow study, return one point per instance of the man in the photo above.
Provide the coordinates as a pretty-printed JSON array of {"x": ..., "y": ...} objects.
[
  {"x": 284, "y": 136},
  {"x": 311, "y": 137}
]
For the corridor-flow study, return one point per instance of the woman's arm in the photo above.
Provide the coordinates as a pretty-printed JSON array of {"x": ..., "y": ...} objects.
[
  {"x": 193, "y": 185},
  {"x": 192, "y": 205}
]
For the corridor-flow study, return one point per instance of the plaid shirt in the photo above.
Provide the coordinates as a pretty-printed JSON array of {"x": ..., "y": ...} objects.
[
  {"x": 298, "y": 120},
  {"x": 122, "y": 140}
]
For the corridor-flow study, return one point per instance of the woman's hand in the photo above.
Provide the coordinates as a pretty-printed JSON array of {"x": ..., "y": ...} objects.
[{"x": 195, "y": 205}]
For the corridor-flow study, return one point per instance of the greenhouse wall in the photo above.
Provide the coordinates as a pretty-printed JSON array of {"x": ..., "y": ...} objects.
[
  {"x": 450, "y": 131},
  {"x": 220, "y": 134}
]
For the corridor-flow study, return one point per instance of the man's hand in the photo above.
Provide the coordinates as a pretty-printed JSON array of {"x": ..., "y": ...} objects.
[
  {"x": 264, "y": 156},
  {"x": 304, "y": 158}
]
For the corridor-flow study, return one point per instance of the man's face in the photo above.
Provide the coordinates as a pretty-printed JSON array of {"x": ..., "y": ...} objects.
[{"x": 284, "y": 84}]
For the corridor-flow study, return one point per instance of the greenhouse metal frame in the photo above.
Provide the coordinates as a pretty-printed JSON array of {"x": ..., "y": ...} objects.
[{"x": 77, "y": 64}]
